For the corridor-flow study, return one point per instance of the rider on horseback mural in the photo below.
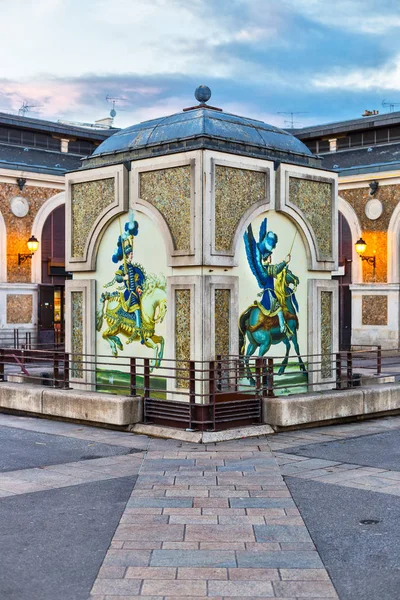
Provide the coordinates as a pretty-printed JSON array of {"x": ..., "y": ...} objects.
[
  {"x": 259, "y": 259},
  {"x": 133, "y": 278},
  {"x": 131, "y": 274}
]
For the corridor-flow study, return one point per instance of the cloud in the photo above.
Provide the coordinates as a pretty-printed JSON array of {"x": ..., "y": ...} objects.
[
  {"x": 373, "y": 17},
  {"x": 384, "y": 77}
]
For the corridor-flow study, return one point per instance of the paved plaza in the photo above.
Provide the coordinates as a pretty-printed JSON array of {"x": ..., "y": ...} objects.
[{"x": 92, "y": 513}]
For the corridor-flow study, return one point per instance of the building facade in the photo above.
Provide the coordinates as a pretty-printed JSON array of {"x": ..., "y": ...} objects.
[
  {"x": 365, "y": 153},
  {"x": 34, "y": 157},
  {"x": 202, "y": 212}
]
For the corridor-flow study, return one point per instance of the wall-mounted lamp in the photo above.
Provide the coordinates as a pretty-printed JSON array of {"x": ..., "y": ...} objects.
[
  {"x": 21, "y": 182},
  {"x": 33, "y": 245},
  {"x": 373, "y": 187},
  {"x": 361, "y": 246}
]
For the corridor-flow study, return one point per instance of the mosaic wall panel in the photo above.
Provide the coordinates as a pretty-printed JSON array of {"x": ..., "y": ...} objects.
[
  {"x": 236, "y": 190},
  {"x": 19, "y": 308},
  {"x": 326, "y": 334},
  {"x": 88, "y": 200},
  {"x": 222, "y": 321},
  {"x": 314, "y": 200},
  {"x": 77, "y": 333},
  {"x": 374, "y": 310},
  {"x": 374, "y": 232},
  {"x": 169, "y": 190},
  {"x": 19, "y": 229},
  {"x": 182, "y": 332}
]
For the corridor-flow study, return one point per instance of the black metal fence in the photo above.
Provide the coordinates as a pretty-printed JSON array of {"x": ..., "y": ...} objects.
[{"x": 212, "y": 395}]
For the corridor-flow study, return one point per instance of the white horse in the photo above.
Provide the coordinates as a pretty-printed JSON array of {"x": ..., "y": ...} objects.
[{"x": 153, "y": 310}]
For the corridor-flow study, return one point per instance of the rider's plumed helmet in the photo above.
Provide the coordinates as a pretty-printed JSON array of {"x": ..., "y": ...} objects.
[{"x": 267, "y": 244}]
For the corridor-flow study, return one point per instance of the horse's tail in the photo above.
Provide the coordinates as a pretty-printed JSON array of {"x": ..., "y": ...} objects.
[
  {"x": 243, "y": 329},
  {"x": 100, "y": 312}
]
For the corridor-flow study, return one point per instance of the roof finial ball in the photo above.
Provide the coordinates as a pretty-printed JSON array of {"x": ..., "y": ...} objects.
[{"x": 202, "y": 93}]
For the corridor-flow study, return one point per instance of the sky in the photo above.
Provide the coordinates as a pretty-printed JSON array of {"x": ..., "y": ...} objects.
[{"x": 324, "y": 60}]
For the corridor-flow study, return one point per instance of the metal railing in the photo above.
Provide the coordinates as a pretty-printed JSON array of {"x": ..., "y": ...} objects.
[
  {"x": 215, "y": 394},
  {"x": 22, "y": 339}
]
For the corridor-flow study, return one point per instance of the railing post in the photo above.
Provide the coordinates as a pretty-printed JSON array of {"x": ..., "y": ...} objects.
[
  {"x": 211, "y": 380},
  {"x": 2, "y": 360},
  {"x": 379, "y": 360},
  {"x": 146, "y": 386},
  {"x": 338, "y": 371},
  {"x": 270, "y": 378},
  {"x": 192, "y": 392},
  {"x": 146, "y": 379},
  {"x": 219, "y": 372},
  {"x": 66, "y": 370},
  {"x": 132, "y": 376},
  {"x": 259, "y": 366},
  {"x": 56, "y": 373},
  {"x": 349, "y": 370}
]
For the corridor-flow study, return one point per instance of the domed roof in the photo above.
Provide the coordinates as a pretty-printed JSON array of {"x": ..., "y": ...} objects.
[{"x": 204, "y": 122}]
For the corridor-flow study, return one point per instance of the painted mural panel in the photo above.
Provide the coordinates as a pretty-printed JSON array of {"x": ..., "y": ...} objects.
[
  {"x": 314, "y": 200},
  {"x": 88, "y": 200},
  {"x": 222, "y": 321},
  {"x": 182, "y": 333},
  {"x": 273, "y": 298},
  {"x": 326, "y": 334},
  {"x": 77, "y": 334},
  {"x": 131, "y": 297},
  {"x": 236, "y": 190},
  {"x": 169, "y": 190}
]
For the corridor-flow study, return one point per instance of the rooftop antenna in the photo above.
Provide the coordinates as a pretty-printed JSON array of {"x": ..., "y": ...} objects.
[
  {"x": 113, "y": 112},
  {"x": 391, "y": 105},
  {"x": 26, "y": 107},
  {"x": 292, "y": 121}
]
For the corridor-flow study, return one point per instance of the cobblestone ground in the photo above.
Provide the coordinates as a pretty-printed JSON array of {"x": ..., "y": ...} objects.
[{"x": 218, "y": 520}]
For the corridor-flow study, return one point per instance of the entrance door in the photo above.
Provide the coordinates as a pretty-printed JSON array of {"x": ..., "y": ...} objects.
[
  {"x": 46, "y": 314},
  {"x": 51, "y": 292}
]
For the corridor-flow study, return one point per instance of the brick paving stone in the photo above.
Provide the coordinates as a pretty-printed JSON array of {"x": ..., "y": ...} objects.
[
  {"x": 222, "y": 546},
  {"x": 304, "y": 589},
  {"x": 116, "y": 586},
  {"x": 159, "y": 502},
  {"x": 127, "y": 558},
  {"x": 234, "y": 512},
  {"x": 202, "y": 573},
  {"x": 182, "y": 588},
  {"x": 241, "y": 520},
  {"x": 181, "y": 511},
  {"x": 281, "y": 533},
  {"x": 150, "y": 532},
  {"x": 131, "y": 519},
  {"x": 254, "y": 574},
  {"x": 279, "y": 560},
  {"x": 151, "y": 573},
  {"x": 111, "y": 572},
  {"x": 210, "y": 502},
  {"x": 303, "y": 574},
  {"x": 263, "y": 547},
  {"x": 180, "y": 545},
  {"x": 262, "y": 503},
  {"x": 219, "y": 533},
  {"x": 241, "y": 589},
  {"x": 139, "y": 545},
  {"x": 195, "y": 519},
  {"x": 193, "y": 558},
  {"x": 175, "y": 493}
]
